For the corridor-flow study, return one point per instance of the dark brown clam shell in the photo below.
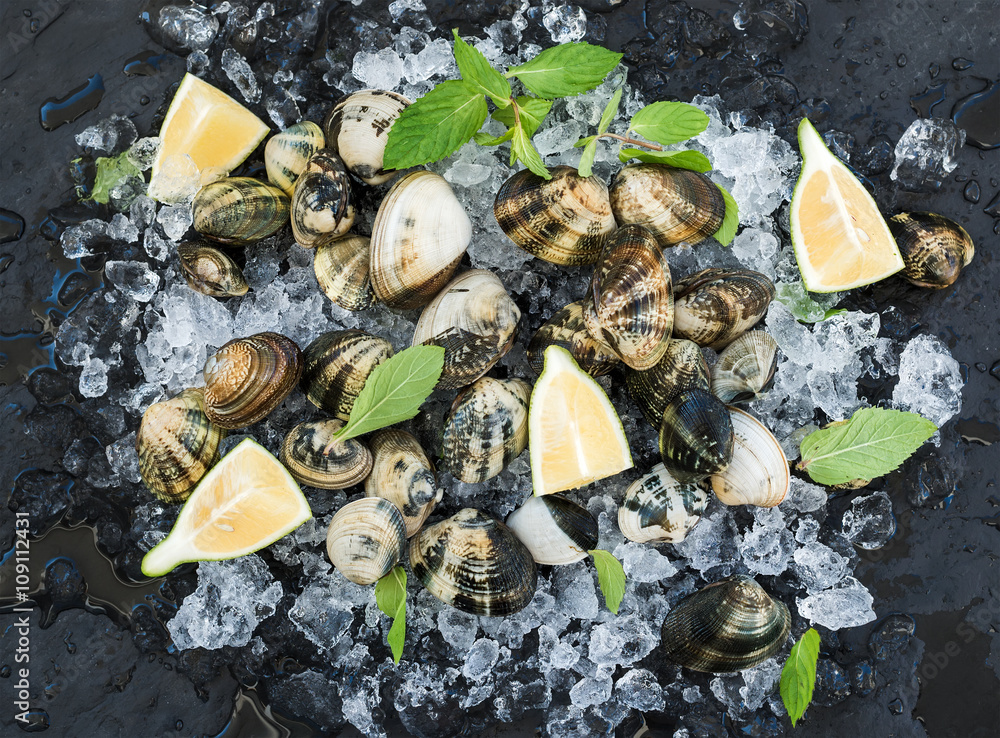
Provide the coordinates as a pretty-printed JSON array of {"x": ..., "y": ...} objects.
[
  {"x": 567, "y": 329},
  {"x": 555, "y": 529},
  {"x": 682, "y": 367},
  {"x": 211, "y": 271},
  {"x": 336, "y": 365},
  {"x": 934, "y": 248},
  {"x": 715, "y": 306},
  {"x": 696, "y": 436},
  {"x": 658, "y": 508},
  {"x": 239, "y": 210},
  {"x": 403, "y": 474},
  {"x": 312, "y": 459},
  {"x": 341, "y": 268},
  {"x": 357, "y": 128},
  {"x": 322, "y": 203},
  {"x": 745, "y": 369}
]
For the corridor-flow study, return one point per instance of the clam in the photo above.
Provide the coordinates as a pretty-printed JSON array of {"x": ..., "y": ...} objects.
[
  {"x": 314, "y": 458},
  {"x": 630, "y": 305},
  {"x": 286, "y": 153},
  {"x": 682, "y": 367},
  {"x": 249, "y": 377},
  {"x": 555, "y": 530},
  {"x": 336, "y": 365},
  {"x": 239, "y": 210},
  {"x": 696, "y": 436},
  {"x": 177, "y": 444},
  {"x": 322, "y": 204},
  {"x": 366, "y": 539},
  {"x": 758, "y": 472},
  {"x": 341, "y": 268},
  {"x": 357, "y": 128},
  {"x": 474, "y": 319},
  {"x": 745, "y": 369},
  {"x": 474, "y": 563},
  {"x": 211, "y": 271},
  {"x": 567, "y": 329},
  {"x": 659, "y": 508},
  {"x": 727, "y": 626},
  {"x": 715, "y": 306},
  {"x": 486, "y": 429},
  {"x": 934, "y": 248},
  {"x": 563, "y": 220},
  {"x": 420, "y": 233},
  {"x": 404, "y": 475},
  {"x": 674, "y": 204}
]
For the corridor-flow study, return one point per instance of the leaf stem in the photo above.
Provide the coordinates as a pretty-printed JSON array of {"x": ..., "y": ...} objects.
[
  {"x": 631, "y": 141},
  {"x": 517, "y": 112}
]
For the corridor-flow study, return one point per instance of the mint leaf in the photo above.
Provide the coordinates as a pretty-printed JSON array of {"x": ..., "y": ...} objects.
[
  {"x": 804, "y": 308},
  {"x": 390, "y": 596},
  {"x": 585, "y": 167},
  {"x": 610, "y": 110},
  {"x": 521, "y": 149},
  {"x": 478, "y": 72},
  {"x": 484, "y": 139},
  {"x": 669, "y": 122},
  {"x": 532, "y": 111},
  {"x": 111, "y": 171},
  {"x": 397, "y": 633},
  {"x": 584, "y": 141},
  {"x": 610, "y": 577},
  {"x": 730, "y": 222},
  {"x": 872, "y": 443},
  {"x": 798, "y": 675},
  {"x": 833, "y": 311},
  {"x": 435, "y": 125},
  {"x": 566, "y": 69},
  {"x": 394, "y": 391},
  {"x": 694, "y": 160}
]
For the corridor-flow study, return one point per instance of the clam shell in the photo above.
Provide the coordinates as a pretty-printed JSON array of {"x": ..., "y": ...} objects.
[
  {"x": 357, "y": 128},
  {"x": 322, "y": 203},
  {"x": 682, "y": 367},
  {"x": 659, "y": 508},
  {"x": 211, "y": 271},
  {"x": 177, "y": 444},
  {"x": 248, "y": 378},
  {"x": 474, "y": 319},
  {"x": 715, "y": 306},
  {"x": 563, "y": 220},
  {"x": 727, "y": 626},
  {"x": 674, "y": 204},
  {"x": 420, "y": 233},
  {"x": 404, "y": 475},
  {"x": 555, "y": 530},
  {"x": 239, "y": 210},
  {"x": 474, "y": 563},
  {"x": 696, "y": 436},
  {"x": 366, "y": 539},
  {"x": 486, "y": 429},
  {"x": 758, "y": 472},
  {"x": 286, "y": 153},
  {"x": 630, "y": 306},
  {"x": 745, "y": 369},
  {"x": 336, "y": 365},
  {"x": 567, "y": 329},
  {"x": 312, "y": 460},
  {"x": 341, "y": 268},
  {"x": 934, "y": 248}
]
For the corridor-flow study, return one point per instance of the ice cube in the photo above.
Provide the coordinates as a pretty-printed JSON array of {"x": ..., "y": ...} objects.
[
  {"x": 381, "y": 70},
  {"x": 122, "y": 229},
  {"x": 804, "y": 496},
  {"x": 175, "y": 221},
  {"x": 325, "y": 614},
  {"x": 134, "y": 278},
  {"x": 759, "y": 682},
  {"x": 930, "y": 380},
  {"x": 639, "y": 689},
  {"x": 142, "y": 211},
  {"x": 846, "y": 605},
  {"x": 481, "y": 659},
  {"x": 565, "y": 23},
  {"x": 458, "y": 628},
  {"x": 767, "y": 547},
  {"x": 925, "y": 153},
  {"x": 644, "y": 563},
  {"x": 111, "y": 135},
  {"x": 869, "y": 523},
  {"x": 594, "y": 690},
  {"x": 123, "y": 458},
  {"x": 198, "y": 63},
  {"x": 240, "y": 74},
  {"x": 143, "y": 152},
  {"x": 158, "y": 248},
  {"x": 177, "y": 179},
  {"x": 189, "y": 27},
  {"x": 83, "y": 239},
  {"x": 818, "y": 566},
  {"x": 434, "y": 60},
  {"x": 756, "y": 249},
  {"x": 94, "y": 378},
  {"x": 624, "y": 640}
]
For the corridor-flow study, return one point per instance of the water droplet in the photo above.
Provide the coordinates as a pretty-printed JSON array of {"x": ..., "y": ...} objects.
[
  {"x": 57, "y": 111},
  {"x": 883, "y": 95},
  {"x": 934, "y": 70},
  {"x": 896, "y": 706},
  {"x": 924, "y": 103},
  {"x": 26, "y": 13},
  {"x": 996, "y": 227},
  {"x": 34, "y": 25},
  {"x": 995, "y": 370},
  {"x": 144, "y": 100},
  {"x": 974, "y": 430},
  {"x": 5, "y": 671},
  {"x": 994, "y": 207},
  {"x": 980, "y": 367},
  {"x": 838, "y": 43},
  {"x": 960, "y": 64},
  {"x": 901, "y": 60},
  {"x": 971, "y": 191},
  {"x": 179, "y": 725},
  {"x": 979, "y": 115},
  {"x": 11, "y": 226}
]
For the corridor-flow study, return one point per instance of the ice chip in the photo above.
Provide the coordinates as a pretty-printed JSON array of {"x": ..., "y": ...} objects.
[
  {"x": 458, "y": 628},
  {"x": 83, "y": 239},
  {"x": 241, "y": 75},
  {"x": 158, "y": 248},
  {"x": 381, "y": 70},
  {"x": 175, "y": 221},
  {"x": 142, "y": 211},
  {"x": 930, "y": 380},
  {"x": 177, "y": 179},
  {"x": 594, "y": 690},
  {"x": 123, "y": 458},
  {"x": 845, "y": 605},
  {"x": 565, "y": 23},
  {"x": 804, "y": 496},
  {"x": 134, "y": 278},
  {"x": 122, "y": 229},
  {"x": 434, "y": 60},
  {"x": 925, "y": 153},
  {"x": 819, "y": 567},
  {"x": 94, "y": 378},
  {"x": 643, "y": 563},
  {"x": 143, "y": 152},
  {"x": 111, "y": 135},
  {"x": 189, "y": 27},
  {"x": 197, "y": 63},
  {"x": 869, "y": 523},
  {"x": 767, "y": 547},
  {"x": 639, "y": 690},
  {"x": 481, "y": 659}
]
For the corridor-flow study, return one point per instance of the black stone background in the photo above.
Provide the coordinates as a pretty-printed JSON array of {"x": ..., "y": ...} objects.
[{"x": 940, "y": 567}]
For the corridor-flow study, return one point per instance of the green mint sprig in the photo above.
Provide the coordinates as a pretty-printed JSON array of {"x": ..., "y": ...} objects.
[
  {"x": 390, "y": 596},
  {"x": 798, "y": 675},
  {"x": 872, "y": 443},
  {"x": 110, "y": 171},
  {"x": 610, "y": 578}
]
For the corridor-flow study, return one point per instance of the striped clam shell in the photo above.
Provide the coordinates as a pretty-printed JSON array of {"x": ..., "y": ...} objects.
[
  {"x": 745, "y": 369},
  {"x": 631, "y": 305},
  {"x": 474, "y": 563},
  {"x": 682, "y": 367},
  {"x": 322, "y": 207},
  {"x": 211, "y": 271},
  {"x": 366, "y": 539},
  {"x": 357, "y": 128},
  {"x": 239, "y": 210},
  {"x": 758, "y": 472},
  {"x": 715, "y": 306},
  {"x": 563, "y": 220},
  {"x": 403, "y": 474},
  {"x": 727, "y": 626},
  {"x": 696, "y": 436},
  {"x": 336, "y": 365},
  {"x": 486, "y": 429},
  {"x": 286, "y": 153},
  {"x": 555, "y": 530},
  {"x": 177, "y": 444},
  {"x": 659, "y": 508},
  {"x": 934, "y": 248},
  {"x": 567, "y": 329},
  {"x": 312, "y": 459},
  {"x": 248, "y": 378},
  {"x": 341, "y": 268}
]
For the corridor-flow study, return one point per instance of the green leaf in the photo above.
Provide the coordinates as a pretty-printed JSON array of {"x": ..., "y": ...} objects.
[
  {"x": 484, "y": 139},
  {"x": 585, "y": 167},
  {"x": 669, "y": 122},
  {"x": 478, "y": 72},
  {"x": 521, "y": 149},
  {"x": 111, "y": 171},
  {"x": 435, "y": 125},
  {"x": 566, "y": 69},
  {"x": 834, "y": 311},
  {"x": 610, "y": 110},
  {"x": 727, "y": 231},
  {"x": 584, "y": 141},
  {"x": 390, "y": 596},
  {"x": 611, "y": 578},
  {"x": 397, "y": 633},
  {"x": 872, "y": 443},
  {"x": 532, "y": 111},
  {"x": 798, "y": 675},
  {"x": 800, "y": 303},
  {"x": 686, "y": 159},
  {"x": 395, "y": 391}
]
